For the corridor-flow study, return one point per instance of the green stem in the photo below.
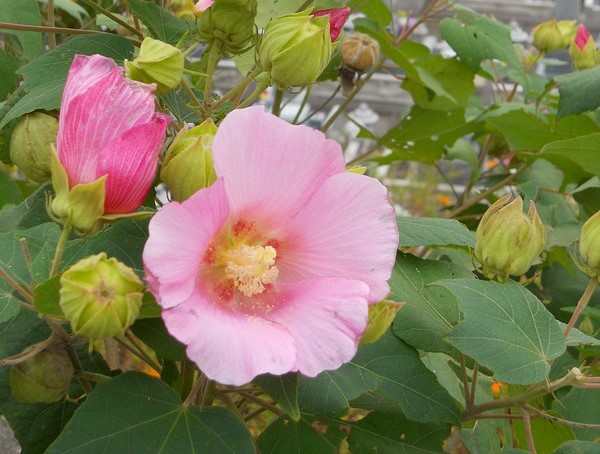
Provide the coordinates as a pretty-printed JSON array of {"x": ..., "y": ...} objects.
[
  {"x": 111, "y": 16},
  {"x": 60, "y": 247},
  {"x": 189, "y": 381},
  {"x": 214, "y": 55},
  {"x": 260, "y": 87},
  {"x": 528, "y": 432},
  {"x": 188, "y": 91},
  {"x": 263, "y": 403},
  {"x": 141, "y": 349},
  {"x": 276, "y": 109},
  {"x": 238, "y": 89},
  {"x": 15, "y": 285},
  {"x": 51, "y": 22},
  {"x": 582, "y": 303},
  {"x": 62, "y": 335},
  {"x": 302, "y": 104},
  {"x": 195, "y": 388},
  {"x": 66, "y": 31}
]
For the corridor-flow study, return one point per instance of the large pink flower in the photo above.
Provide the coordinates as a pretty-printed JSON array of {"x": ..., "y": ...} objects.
[
  {"x": 271, "y": 269},
  {"x": 108, "y": 126}
]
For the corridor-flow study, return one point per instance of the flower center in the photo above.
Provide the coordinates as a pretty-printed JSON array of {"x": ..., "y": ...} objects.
[{"x": 251, "y": 267}]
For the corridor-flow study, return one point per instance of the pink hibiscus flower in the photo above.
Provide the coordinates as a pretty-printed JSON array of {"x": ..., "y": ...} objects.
[
  {"x": 108, "y": 126},
  {"x": 271, "y": 269}
]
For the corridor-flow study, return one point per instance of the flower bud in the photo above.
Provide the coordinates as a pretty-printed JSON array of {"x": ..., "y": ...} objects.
[
  {"x": 184, "y": 9},
  {"x": 100, "y": 297},
  {"x": 583, "y": 49},
  {"x": 188, "y": 164},
  {"x": 552, "y": 35},
  {"x": 295, "y": 49},
  {"x": 337, "y": 19},
  {"x": 589, "y": 245},
  {"x": 157, "y": 62},
  {"x": 44, "y": 377},
  {"x": 228, "y": 22},
  {"x": 31, "y": 145},
  {"x": 359, "y": 51},
  {"x": 381, "y": 316},
  {"x": 507, "y": 241}
]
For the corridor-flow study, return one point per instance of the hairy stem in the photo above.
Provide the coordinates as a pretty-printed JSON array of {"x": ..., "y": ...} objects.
[{"x": 582, "y": 303}]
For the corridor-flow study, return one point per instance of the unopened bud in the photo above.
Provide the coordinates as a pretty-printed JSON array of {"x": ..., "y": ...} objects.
[
  {"x": 508, "y": 241},
  {"x": 552, "y": 35},
  {"x": 589, "y": 245},
  {"x": 157, "y": 62},
  {"x": 583, "y": 49},
  {"x": 359, "y": 51},
  {"x": 188, "y": 164},
  {"x": 381, "y": 316},
  {"x": 184, "y": 9},
  {"x": 44, "y": 377},
  {"x": 100, "y": 297},
  {"x": 31, "y": 145},
  {"x": 228, "y": 22}
]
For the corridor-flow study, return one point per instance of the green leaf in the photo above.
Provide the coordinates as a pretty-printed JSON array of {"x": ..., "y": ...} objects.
[
  {"x": 429, "y": 312},
  {"x": 135, "y": 411},
  {"x": 433, "y": 232},
  {"x": 162, "y": 25},
  {"x": 486, "y": 436},
  {"x": 547, "y": 435},
  {"x": 465, "y": 151},
  {"x": 29, "y": 213},
  {"x": 152, "y": 332},
  {"x": 284, "y": 389},
  {"x": 23, "y": 330},
  {"x": 506, "y": 329},
  {"x": 27, "y": 13},
  {"x": 72, "y": 9},
  {"x": 577, "y": 447},
  {"x": 390, "y": 434},
  {"x": 46, "y": 297},
  {"x": 475, "y": 38},
  {"x": 8, "y": 75},
  {"x": 289, "y": 437},
  {"x": 374, "y": 9},
  {"x": 579, "y": 92},
  {"x": 578, "y": 157},
  {"x": 45, "y": 76},
  {"x": 402, "y": 378},
  {"x": 10, "y": 194},
  {"x": 423, "y": 134},
  {"x": 580, "y": 405}
]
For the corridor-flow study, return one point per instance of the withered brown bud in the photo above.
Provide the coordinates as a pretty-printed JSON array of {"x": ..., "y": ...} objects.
[{"x": 359, "y": 51}]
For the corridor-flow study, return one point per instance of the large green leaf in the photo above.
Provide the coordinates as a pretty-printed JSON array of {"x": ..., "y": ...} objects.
[
  {"x": 506, "y": 329},
  {"x": 429, "y": 312},
  {"x": 577, "y": 447},
  {"x": 45, "y": 76},
  {"x": 547, "y": 435},
  {"x": 23, "y": 330},
  {"x": 162, "y": 25},
  {"x": 29, "y": 213},
  {"x": 289, "y": 437},
  {"x": 377, "y": 10},
  {"x": 152, "y": 331},
  {"x": 580, "y": 405},
  {"x": 577, "y": 157},
  {"x": 423, "y": 134},
  {"x": 8, "y": 75},
  {"x": 433, "y": 232},
  {"x": 10, "y": 194},
  {"x": 134, "y": 412},
  {"x": 387, "y": 434},
  {"x": 475, "y": 38},
  {"x": 24, "y": 12},
  {"x": 579, "y": 92},
  {"x": 284, "y": 389}
]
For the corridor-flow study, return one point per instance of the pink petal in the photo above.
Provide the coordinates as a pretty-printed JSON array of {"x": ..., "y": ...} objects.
[
  {"x": 231, "y": 348},
  {"x": 203, "y": 5},
  {"x": 326, "y": 317},
  {"x": 348, "y": 230},
  {"x": 95, "y": 114},
  {"x": 270, "y": 166},
  {"x": 130, "y": 162},
  {"x": 337, "y": 19},
  {"x": 179, "y": 233},
  {"x": 582, "y": 36}
]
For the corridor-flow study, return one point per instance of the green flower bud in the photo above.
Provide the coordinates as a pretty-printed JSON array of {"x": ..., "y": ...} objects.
[
  {"x": 184, "y": 9},
  {"x": 507, "y": 241},
  {"x": 188, "y": 164},
  {"x": 296, "y": 48},
  {"x": 44, "y": 377},
  {"x": 231, "y": 23},
  {"x": 583, "y": 49},
  {"x": 381, "y": 316},
  {"x": 589, "y": 245},
  {"x": 552, "y": 35},
  {"x": 157, "y": 62},
  {"x": 100, "y": 297},
  {"x": 31, "y": 145}
]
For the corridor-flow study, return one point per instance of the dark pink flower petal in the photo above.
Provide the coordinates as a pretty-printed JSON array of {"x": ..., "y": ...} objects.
[
  {"x": 271, "y": 166},
  {"x": 337, "y": 19},
  {"x": 582, "y": 36}
]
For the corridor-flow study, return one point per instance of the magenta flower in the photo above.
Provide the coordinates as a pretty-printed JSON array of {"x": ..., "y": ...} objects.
[
  {"x": 271, "y": 269},
  {"x": 337, "y": 19},
  {"x": 108, "y": 127}
]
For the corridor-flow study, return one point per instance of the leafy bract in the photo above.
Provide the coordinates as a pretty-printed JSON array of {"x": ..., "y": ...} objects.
[
  {"x": 579, "y": 91},
  {"x": 506, "y": 329},
  {"x": 415, "y": 231},
  {"x": 142, "y": 413}
]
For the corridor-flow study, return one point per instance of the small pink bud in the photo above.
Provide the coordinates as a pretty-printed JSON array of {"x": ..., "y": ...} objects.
[
  {"x": 337, "y": 19},
  {"x": 582, "y": 37}
]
